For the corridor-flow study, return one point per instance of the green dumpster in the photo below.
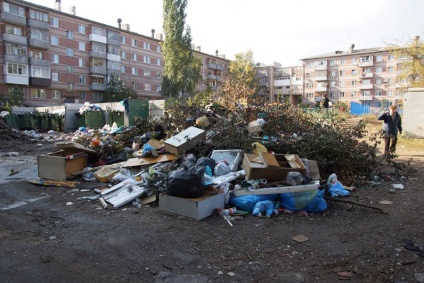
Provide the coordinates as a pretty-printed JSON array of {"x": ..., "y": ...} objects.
[
  {"x": 12, "y": 121},
  {"x": 24, "y": 121},
  {"x": 79, "y": 120},
  {"x": 35, "y": 121},
  {"x": 62, "y": 123},
  {"x": 94, "y": 119},
  {"x": 45, "y": 121},
  {"x": 55, "y": 122},
  {"x": 116, "y": 117}
]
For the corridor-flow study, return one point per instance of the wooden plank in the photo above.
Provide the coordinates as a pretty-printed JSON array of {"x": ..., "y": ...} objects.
[{"x": 277, "y": 190}]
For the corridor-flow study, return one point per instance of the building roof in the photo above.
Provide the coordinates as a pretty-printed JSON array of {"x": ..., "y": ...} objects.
[{"x": 338, "y": 53}]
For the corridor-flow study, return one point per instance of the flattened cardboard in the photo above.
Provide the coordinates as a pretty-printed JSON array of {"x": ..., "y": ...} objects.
[{"x": 133, "y": 162}]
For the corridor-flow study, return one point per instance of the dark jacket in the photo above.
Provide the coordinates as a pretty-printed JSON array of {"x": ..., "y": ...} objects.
[
  {"x": 392, "y": 124},
  {"x": 326, "y": 102}
]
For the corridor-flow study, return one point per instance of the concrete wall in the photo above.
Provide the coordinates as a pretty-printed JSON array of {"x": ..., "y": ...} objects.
[{"x": 413, "y": 113}]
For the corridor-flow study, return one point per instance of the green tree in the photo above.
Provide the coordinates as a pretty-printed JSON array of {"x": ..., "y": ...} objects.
[
  {"x": 182, "y": 67},
  {"x": 411, "y": 57},
  {"x": 116, "y": 90},
  {"x": 241, "y": 84},
  {"x": 16, "y": 96}
]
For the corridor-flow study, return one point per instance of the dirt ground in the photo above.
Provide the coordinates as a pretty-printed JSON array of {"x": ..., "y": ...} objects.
[{"x": 45, "y": 240}]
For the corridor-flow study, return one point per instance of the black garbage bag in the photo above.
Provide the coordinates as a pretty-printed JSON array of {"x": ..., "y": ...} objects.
[
  {"x": 206, "y": 161},
  {"x": 186, "y": 183}
]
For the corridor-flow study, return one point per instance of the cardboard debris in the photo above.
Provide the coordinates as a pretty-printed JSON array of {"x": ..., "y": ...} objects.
[
  {"x": 300, "y": 238},
  {"x": 73, "y": 146},
  {"x": 132, "y": 162}
]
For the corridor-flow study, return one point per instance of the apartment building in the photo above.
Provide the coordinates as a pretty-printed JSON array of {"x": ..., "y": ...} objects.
[
  {"x": 57, "y": 57},
  {"x": 365, "y": 76}
]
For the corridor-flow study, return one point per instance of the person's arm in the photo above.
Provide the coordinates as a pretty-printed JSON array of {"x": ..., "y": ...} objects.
[
  {"x": 399, "y": 125},
  {"x": 382, "y": 116}
]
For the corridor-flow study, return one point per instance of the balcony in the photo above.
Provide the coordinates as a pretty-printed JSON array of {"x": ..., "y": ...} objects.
[
  {"x": 369, "y": 86},
  {"x": 38, "y": 24},
  {"x": 39, "y": 62},
  {"x": 211, "y": 77},
  {"x": 12, "y": 18},
  {"x": 22, "y": 40},
  {"x": 16, "y": 79},
  {"x": 111, "y": 71},
  {"x": 320, "y": 78},
  {"x": 365, "y": 97},
  {"x": 97, "y": 87},
  {"x": 321, "y": 89},
  {"x": 98, "y": 54},
  {"x": 321, "y": 67},
  {"x": 220, "y": 67},
  {"x": 114, "y": 42},
  {"x": 211, "y": 66},
  {"x": 34, "y": 42},
  {"x": 219, "y": 78},
  {"x": 98, "y": 70},
  {"x": 366, "y": 64},
  {"x": 97, "y": 38},
  {"x": 45, "y": 82},
  {"x": 113, "y": 57},
  {"x": 367, "y": 75},
  {"x": 16, "y": 59},
  {"x": 263, "y": 84}
]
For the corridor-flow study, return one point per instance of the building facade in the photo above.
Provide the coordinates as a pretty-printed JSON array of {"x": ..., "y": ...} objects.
[{"x": 57, "y": 57}]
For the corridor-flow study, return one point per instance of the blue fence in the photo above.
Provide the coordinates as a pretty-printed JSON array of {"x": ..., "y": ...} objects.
[{"x": 359, "y": 109}]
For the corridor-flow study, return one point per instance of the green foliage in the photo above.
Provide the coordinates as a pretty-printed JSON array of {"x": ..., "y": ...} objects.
[
  {"x": 117, "y": 91},
  {"x": 182, "y": 67},
  {"x": 16, "y": 96},
  {"x": 412, "y": 62}
]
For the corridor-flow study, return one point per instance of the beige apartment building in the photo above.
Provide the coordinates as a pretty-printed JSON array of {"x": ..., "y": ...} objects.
[{"x": 58, "y": 57}]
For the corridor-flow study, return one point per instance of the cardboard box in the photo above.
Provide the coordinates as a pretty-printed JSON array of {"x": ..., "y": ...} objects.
[
  {"x": 185, "y": 140},
  {"x": 197, "y": 208},
  {"x": 55, "y": 165},
  {"x": 271, "y": 167}
]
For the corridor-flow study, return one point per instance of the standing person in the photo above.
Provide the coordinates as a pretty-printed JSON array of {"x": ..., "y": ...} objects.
[
  {"x": 392, "y": 125},
  {"x": 326, "y": 102}
]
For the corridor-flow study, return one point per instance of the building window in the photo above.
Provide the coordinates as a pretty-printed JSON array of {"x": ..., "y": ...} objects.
[
  {"x": 333, "y": 84},
  {"x": 158, "y": 49},
  {"x": 390, "y": 69},
  {"x": 354, "y": 83},
  {"x": 146, "y": 45},
  {"x": 309, "y": 85},
  {"x": 17, "y": 69},
  {"x": 341, "y": 94},
  {"x": 146, "y": 59},
  {"x": 134, "y": 42},
  {"x": 123, "y": 69},
  {"x": 342, "y": 83},
  {"x": 13, "y": 9},
  {"x": 342, "y": 72},
  {"x": 54, "y": 22},
  {"x": 16, "y": 49},
  {"x": 333, "y": 74},
  {"x": 391, "y": 57},
  {"x": 97, "y": 97},
  {"x": 134, "y": 71},
  {"x": 147, "y": 73},
  {"x": 55, "y": 58},
  {"x": 83, "y": 79},
  {"x": 332, "y": 63},
  {"x": 40, "y": 72},
  {"x": 55, "y": 77},
  {"x": 378, "y": 81},
  {"x": 54, "y": 40},
  {"x": 379, "y": 58},
  {"x": 158, "y": 88},
  {"x": 353, "y": 94},
  {"x": 378, "y": 104},
  {"x": 159, "y": 75},
  {"x": 70, "y": 69},
  {"x": 332, "y": 95},
  {"x": 55, "y": 94},
  {"x": 14, "y": 30},
  {"x": 309, "y": 95},
  {"x": 123, "y": 40},
  {"x": 158, "y": 62},
  {"x": 354, "y": 72},
  {"x": 390, "y": 93},
  {"x": 113, "y": 50},
  {"x": 69, "y": 52},
  {"x": 378, "y": 70},
  {"x": 354, "y": 60},
  {"x": 71, "y": 87},
  {"x": 81, "y": 46},
  {"x": 134, "y": 85},
  {"x": 36, "y": 54},
  {"x": 82, "y": 96},
  {"x": 123, "y": 55},
  {"x": 148, "y": 87},
  {"x": 81, "y": 29},
  {"x": 134, "y": 57},
  {"x": 366, "y": 59},
  {"x": 38, "y": 93},
  {"x": 69, "y": 34},
  {"x": 342, "y": 62},
  {"x": 378, "y": 92},
  {"x": 98, "y": 30}
]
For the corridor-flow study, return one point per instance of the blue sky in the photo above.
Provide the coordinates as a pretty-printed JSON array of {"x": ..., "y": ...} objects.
[{"x": 274, "y": 30}]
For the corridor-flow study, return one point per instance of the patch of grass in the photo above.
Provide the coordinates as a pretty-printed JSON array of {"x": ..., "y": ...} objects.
[{"x": 412, "y": 143}]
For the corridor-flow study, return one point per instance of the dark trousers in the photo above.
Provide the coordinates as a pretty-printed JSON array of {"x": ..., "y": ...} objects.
[{"x": 390, "y": 143}]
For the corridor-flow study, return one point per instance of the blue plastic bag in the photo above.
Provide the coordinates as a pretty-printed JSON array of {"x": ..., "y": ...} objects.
[
  {"x": 247, "y": 203},
  {"x": 265, "y": 207},
  {"x": 309, "y": 201}
]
